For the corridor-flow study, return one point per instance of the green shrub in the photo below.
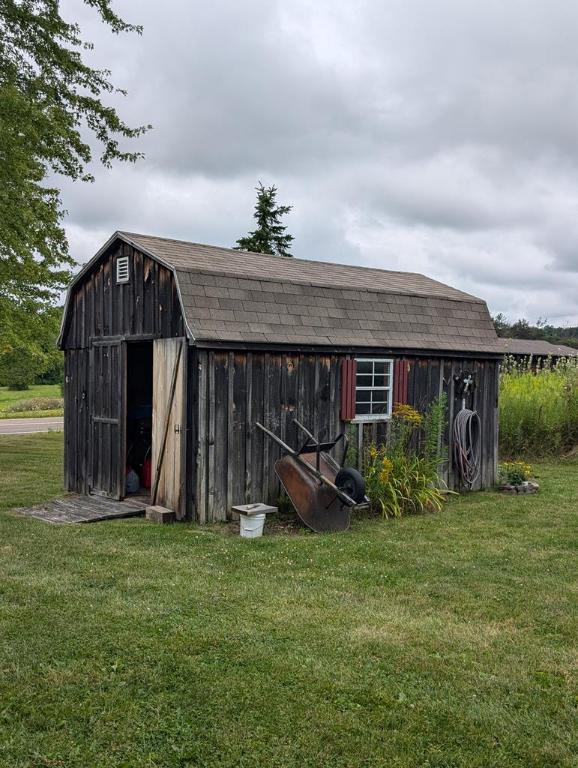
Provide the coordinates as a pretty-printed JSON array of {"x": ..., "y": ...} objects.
[
  {"x": 403, "y": 476},
  {"x": 538, "y": 409}
]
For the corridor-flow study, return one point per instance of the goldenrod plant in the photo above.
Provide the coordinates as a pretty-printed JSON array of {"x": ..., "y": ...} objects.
[
  {"x": 538, "y": 407},
  {"x": 403, "y": 476}
]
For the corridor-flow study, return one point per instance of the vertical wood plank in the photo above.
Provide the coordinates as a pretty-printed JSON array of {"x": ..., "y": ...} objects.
[
  {"x": 249, "y": 428},
  {"x": 232, "y": 460},
  {"x": 202, "y": 437}
]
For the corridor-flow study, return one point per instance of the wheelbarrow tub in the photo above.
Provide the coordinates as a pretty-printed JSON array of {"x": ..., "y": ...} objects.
[{"x": 316, "y": 503}]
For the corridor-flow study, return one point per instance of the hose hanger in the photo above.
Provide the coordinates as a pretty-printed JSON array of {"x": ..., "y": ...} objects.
[{"x": 466, "y": 433}]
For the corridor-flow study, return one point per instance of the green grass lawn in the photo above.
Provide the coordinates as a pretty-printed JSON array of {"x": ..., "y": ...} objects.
[
  {"x": 433, "y": 641},
  {"x": 9, "y": 397}
]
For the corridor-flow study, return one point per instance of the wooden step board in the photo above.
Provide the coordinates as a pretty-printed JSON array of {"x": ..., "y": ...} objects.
[{"x": 75, "y": 508}]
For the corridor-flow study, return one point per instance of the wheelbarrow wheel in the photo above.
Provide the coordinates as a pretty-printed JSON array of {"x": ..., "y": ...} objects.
[{"x": 351, "y": 482}]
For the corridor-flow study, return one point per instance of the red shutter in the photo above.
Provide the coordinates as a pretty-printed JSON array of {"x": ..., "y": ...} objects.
[
  {"x": 400, "y": 375},
  {"x": 348, "y": 371}
]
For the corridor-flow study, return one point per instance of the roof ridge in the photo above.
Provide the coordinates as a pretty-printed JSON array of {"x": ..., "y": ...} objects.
[
  {"x": 274, "y": 256},
  {"x": 466, "y": 297}
]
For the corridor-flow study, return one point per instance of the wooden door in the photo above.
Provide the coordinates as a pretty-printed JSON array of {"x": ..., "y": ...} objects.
[
  {"x": 169, "y": 424},
  {"x": 107, "y": 449}
]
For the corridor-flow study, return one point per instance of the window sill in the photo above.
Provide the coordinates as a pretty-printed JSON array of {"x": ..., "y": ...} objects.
[{"x": 370, "y": 419}]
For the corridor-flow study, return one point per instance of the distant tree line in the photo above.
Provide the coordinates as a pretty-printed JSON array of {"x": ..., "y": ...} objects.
[{"x": 522, "y": 329}]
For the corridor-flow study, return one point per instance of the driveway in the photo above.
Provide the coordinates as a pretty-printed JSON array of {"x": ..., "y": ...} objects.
[{"x": 27, "y": 426}]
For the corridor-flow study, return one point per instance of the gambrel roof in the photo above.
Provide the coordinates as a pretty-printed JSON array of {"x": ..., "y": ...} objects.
[
  {"x": 236, "y": 296},
  {"x": 536, "y": 348}
]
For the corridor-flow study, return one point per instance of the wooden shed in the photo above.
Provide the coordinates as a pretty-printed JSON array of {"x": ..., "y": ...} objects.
[
  {"x": 190, "y": 345},
  {"x": 536, "y": 351}
]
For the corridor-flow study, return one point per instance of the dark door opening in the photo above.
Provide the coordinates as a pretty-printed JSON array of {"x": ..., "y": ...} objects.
[{"x": 139, "y": 408}]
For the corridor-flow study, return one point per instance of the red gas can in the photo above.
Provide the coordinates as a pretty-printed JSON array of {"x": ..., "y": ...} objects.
[{"x": 145, "y": 477}]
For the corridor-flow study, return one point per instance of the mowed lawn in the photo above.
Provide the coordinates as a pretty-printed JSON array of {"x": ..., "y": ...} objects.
[
  {"x": 438, "y": 641},
  {"x": 10, "y": 398}
]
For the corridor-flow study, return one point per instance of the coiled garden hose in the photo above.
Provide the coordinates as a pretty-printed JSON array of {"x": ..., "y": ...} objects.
[{"x": 467, "y": 446}]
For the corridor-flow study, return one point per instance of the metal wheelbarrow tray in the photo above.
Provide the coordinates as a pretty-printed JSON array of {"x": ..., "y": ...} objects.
[{"x": 322, "y": 492}]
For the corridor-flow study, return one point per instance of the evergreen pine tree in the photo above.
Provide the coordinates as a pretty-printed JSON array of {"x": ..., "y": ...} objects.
[{"x": 270, "y": 235}]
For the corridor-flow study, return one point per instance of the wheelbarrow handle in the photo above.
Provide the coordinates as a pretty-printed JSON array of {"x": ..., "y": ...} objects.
[
  {"x": 304, "y": 429},
  {"x": 278, "y": 440}
]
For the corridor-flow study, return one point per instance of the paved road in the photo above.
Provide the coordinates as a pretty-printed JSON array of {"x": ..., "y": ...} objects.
[{"x": 27, "y": 426}]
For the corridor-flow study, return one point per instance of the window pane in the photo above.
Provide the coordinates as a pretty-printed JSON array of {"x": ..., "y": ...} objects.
[
  {"x": 364, "y": 381},
  {"x": 379, "y": 395},
  {"x": 380, "y": 367},
  {"x": 362, "y": 409},
  {"x": 364, "y": 366},
  {"x": 379, "y": 408},
  {"x": 381, "y": 381},
  {"x": 363, "y": 395}
]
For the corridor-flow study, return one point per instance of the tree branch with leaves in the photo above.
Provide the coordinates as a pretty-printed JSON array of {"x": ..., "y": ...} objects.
[{"x": 50, "y": 107}]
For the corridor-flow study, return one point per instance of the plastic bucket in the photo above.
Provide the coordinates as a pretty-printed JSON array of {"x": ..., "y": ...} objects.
[{"x": 251, "y": 526}]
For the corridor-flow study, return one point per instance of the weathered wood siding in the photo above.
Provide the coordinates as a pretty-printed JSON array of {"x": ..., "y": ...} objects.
[
  {"x": 76, "y": 420},
  {"x": 107, "y": 423},
  {"x": 234, "y": 461},
  {"x": 169, "y": 423},
  {"x": 101, "y": 310},
  {"x": 148, "y": 305}
]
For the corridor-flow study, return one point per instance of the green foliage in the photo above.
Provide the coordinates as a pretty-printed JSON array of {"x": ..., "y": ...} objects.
[
  {"x": 401, "y": 484},
  {"x": 50, "y": 108},
  {"x": 514, "y": 472},
  {"x": 19, "y": 366},
  {"x": 403, "y": 476},
  {"x": 538, "y": 408},
  {"x": 34, "y": 332},
  {"x": 270, "y": 235},
  {"x": 434, "y": 422}
]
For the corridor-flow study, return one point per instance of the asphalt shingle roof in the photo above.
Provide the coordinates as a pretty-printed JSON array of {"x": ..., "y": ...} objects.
[
  {"x": 537, "y": 348},
  {"x": 236, "y": 296}
]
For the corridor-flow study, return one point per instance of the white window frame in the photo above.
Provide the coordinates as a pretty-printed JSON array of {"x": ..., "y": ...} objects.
[
  {"x": 122, "y": 269},
  {"x": 376, "y": 416}
]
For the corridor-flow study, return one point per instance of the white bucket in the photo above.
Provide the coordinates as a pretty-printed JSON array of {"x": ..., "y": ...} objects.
[{"x": 252, "y": 525}]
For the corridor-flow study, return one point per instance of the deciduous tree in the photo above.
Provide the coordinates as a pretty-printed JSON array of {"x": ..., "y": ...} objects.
[{"x": 51, "y": 112}]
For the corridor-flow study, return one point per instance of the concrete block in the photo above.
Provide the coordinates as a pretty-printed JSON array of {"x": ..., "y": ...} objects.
[{"x": 159, "y": 514}]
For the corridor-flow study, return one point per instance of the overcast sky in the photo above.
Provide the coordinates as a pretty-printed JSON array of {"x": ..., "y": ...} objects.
[{"x": 434, "y": 136}]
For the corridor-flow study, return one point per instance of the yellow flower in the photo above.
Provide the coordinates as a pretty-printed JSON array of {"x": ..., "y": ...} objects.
[
  {"x": 386, "y": 468},
  {"x": 407, "y": 413}
]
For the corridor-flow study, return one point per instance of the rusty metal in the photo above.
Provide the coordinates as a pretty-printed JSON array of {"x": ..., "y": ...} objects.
[
  {"x": 316, "y": 503},
  {"x": 308, "y": 476}
]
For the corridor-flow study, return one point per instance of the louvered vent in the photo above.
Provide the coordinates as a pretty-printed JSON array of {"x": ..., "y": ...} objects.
[{"x": 122, "y": 269}]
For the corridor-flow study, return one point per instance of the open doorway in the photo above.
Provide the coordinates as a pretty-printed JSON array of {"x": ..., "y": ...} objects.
[{"x": 139, "y": 408}]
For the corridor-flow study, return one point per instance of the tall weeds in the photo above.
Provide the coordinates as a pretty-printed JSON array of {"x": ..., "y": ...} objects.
[{"x": 538, "y": 408}]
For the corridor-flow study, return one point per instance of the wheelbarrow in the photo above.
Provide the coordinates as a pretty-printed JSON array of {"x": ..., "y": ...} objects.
[{"x": 323, "y": 492}]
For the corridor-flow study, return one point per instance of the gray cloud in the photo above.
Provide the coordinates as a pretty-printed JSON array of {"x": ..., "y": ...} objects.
[{"x": 434, "y": 137}]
